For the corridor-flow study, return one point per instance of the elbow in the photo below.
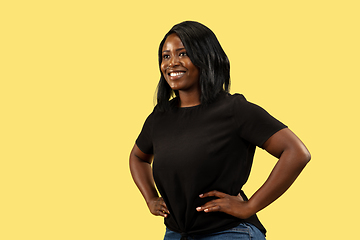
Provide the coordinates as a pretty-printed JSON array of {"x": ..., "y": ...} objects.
[
  {"x": 302, "y": 153},
  {"x": 131, "y": 157},
  {"x": 307, "y": 157},
  {"x": 299, "y": 156},
  {"x": 306, "y": 154},
  {"x": 304, "y": 157}
]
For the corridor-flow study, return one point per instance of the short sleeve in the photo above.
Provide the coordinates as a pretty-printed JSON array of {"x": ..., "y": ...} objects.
[
  {"x": 144, "y": 140},
  {"x": 254, "y": 124}
]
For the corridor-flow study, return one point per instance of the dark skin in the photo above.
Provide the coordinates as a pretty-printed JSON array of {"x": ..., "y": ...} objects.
[
  {"x": 176, "y": 60},
  {"x": 284, "y": 145},
  {"x": 140, "y": 167}
]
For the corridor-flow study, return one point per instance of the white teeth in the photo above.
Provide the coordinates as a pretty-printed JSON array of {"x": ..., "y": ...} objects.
[{"x": 172, "y": 74}]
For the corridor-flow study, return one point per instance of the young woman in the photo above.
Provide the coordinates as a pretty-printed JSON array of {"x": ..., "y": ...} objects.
[{"x": 201, "y": 141}]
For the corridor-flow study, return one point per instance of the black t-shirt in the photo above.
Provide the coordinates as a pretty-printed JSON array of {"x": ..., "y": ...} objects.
[{"x": 203, "y": 148}]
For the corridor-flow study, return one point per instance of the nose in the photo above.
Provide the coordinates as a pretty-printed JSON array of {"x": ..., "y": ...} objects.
[{"x": 174, "y": 61}]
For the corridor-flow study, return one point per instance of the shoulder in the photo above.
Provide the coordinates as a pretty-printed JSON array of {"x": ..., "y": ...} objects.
[
  {"x": 236, "y": 97},
  {"x": 240, "y": 102},
  {"x": 150, "y": 118},
  {"x": 241, "y": 107},
  {"x": 228, "y": 102},
  {"x": 237, "y": 101}
]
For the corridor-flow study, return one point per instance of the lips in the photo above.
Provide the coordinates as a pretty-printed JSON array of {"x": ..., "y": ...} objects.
[{"x": 173, "y": 75}]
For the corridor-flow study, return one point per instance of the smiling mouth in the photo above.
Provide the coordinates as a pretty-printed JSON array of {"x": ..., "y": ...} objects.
[{"x": 176, "y": 74}]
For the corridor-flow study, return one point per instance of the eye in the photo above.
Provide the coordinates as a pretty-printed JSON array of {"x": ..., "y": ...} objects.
[
  {"x": 166, "y": 56},
  {"x": 182, "y": 54}
]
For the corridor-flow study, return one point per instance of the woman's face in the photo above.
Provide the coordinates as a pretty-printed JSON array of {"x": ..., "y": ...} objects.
[{"x": 178, "y": 70}]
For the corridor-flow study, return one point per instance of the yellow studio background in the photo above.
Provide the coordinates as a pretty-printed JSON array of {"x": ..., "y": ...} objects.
[{"x": 77, "y": 80}]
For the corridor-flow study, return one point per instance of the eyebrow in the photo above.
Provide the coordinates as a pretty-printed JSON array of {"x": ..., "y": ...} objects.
[{"x": 179, "y": 49}]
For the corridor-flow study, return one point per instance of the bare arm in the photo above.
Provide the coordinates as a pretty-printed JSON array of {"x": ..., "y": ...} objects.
[
  {"x": 293, "y": 157},
  {"x": 140, "y": 167}
]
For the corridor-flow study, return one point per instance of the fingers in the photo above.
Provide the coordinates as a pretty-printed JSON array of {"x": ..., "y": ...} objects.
[
  {"x": 212, "y": 206},
  {"x": 224, "y": 203},
  {"x": 232, "y": 205},
  {"x": 213, "y": 193},
  {"x": 158, "y": 208},
  {"x": 164, "y": 208},
  {"x": 215, "y": 208},
  {"x": 162, "y": 213}
]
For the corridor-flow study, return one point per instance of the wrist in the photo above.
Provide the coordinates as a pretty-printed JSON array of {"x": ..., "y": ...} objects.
[{"x": 249, "y": 210}]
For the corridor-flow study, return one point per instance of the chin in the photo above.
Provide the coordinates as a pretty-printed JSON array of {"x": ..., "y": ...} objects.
[{"x": 176, "y": 87}]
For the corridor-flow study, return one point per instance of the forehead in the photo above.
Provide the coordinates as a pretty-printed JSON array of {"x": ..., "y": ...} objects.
[{"x": 172, "y": 42}]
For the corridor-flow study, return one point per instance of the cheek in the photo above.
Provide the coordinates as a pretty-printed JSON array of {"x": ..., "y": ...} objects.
[
  {"x": 193, "y": 69},
  {"x": 163, "y": 67},
  {"x": 195, "y": 72}
]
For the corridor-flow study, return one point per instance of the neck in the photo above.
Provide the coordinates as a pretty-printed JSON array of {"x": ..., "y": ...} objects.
[{"x": 189, "y": 99}]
